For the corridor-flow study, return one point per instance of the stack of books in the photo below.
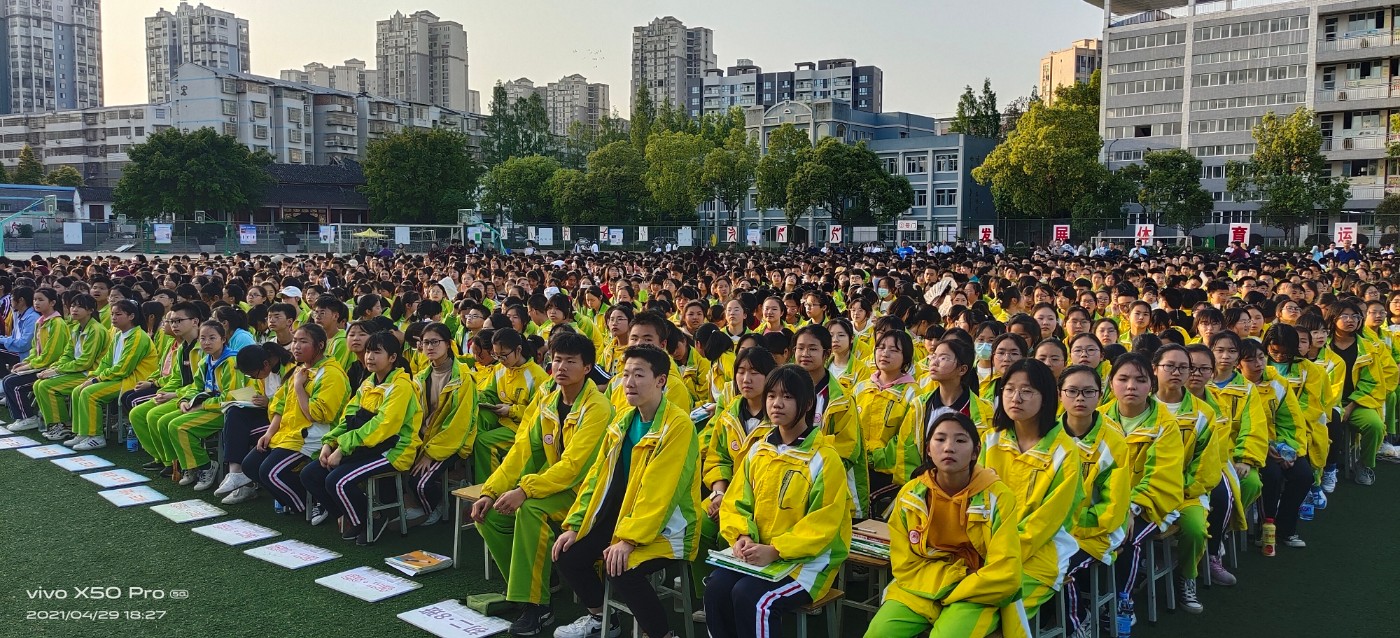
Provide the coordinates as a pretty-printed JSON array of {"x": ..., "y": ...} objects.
[
  {"x": 419, "y": 562},
  {"x": 871, "y": 538},
  {"x": 773, "y": 572}
]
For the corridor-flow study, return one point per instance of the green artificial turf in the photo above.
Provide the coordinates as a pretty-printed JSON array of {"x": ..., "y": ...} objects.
[{"x": 56, "y": 532}]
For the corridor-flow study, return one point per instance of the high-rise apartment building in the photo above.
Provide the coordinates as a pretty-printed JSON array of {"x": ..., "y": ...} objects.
[
  {"x": 54, "y": 58},
  {"x": 351, "y": 76},
  {"x": 745, "y": 85},
  {"x": 1200, "y": 75},
  {"x": 422, "y": 59},
  {"x": 202, "y": 35},
  {"x": 1069, "y": 66},
  {"x": 521, "y": 89},
  {"x": 666, "y": 55},
  {"x": 574, "y": 99}
]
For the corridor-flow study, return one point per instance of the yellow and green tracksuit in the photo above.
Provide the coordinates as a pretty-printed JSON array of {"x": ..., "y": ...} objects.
[
  {"x": 969, "y": 592},
  {"x": 394, "y": 403},
  {"x": 1368, "y": 375},
  {"x": 880, "y": 412},
  {"x": 676, "y": 391},
  {"x": 89, "y": 344},
  {"x": 795, "y": 498},
  {"x": 1332, "y": 365},
  {"x": 1287, "y": 418},
  {"x": 857, "y": 370},
  {"x": 175, "y": 372},
  {"x": 1102, "y": 517},
  {"x": 721, "y": 379},
  {"x": 727, "y": 445},
  {"x": 516, "y": 386},
  {"x": 52, "y": 338},
  {"x": 338, "y": 350},
  {"x": 661, "y": 505},
  {"x": 118, "y": 373},
  {"x": 695, "y": 374},
  {"x": 1205, "y": 443},
  {"x": 610, "y": 357},
  {"x": 327, "y": 391},
  {"x": 451, "y": 429},
  {"x": 1048, "y": 489},
  {"x": 905, "y": 452},
  {"x": 1157, "y": 459},
  {"x": 1384, "y": 352},
  {"x": 839, "y": 423},
  {"x": 215, "y": 379},
  {"x": 547, "y": 461}
]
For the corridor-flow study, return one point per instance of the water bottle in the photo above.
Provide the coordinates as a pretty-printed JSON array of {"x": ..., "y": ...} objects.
[
  {"x": 1125, "y": 615},
  {"x": 1270, "y": 537},
  {"x": 1286, "y": 452},
  {"x": 1305, "y": 513},
  {"x": 132, "y": 444},
  {"x": 278, "y": 507}
]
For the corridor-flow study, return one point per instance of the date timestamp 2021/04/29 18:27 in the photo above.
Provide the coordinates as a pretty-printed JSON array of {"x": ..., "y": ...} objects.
[{"x": 94, "y": 615}]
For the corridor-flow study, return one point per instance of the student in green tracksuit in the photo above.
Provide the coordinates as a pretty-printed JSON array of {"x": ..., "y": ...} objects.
[
  {"x": 330, "y": 315},
  {"x": 448, "y": 396},
  {"x": 526, "y": 498},
  {"x": 176, "y": 371},
  {"x": 52, "y": 340},
  {"x": 200, "y": 411},
  {"x": 131, "y": 357},
  {"x": 377, "y": 432},
  {"x": 56, "y": 384}
]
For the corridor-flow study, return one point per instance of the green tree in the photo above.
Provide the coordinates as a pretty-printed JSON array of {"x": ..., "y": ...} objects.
[
  {"x": 532, "y": 127},
  {"x": 500, "y": 141},
  {"x": 30, "y": 170},
  {"x": 1388, "y": 213},
  {"x": 1169, "y": 188},
  {"x": 420, "y": 176},
  {"x": 729, "y": 170},
  {"x": 616, "y": 181},
  {"x": 643, "y": 117},
  {"x": 717, "y": 126},
  {"x": 1045, "y": 166},
  {"x": 1287, "y": 174},
  {"x": 1013, "y": 112},
  {"x": 850, "y": 183},
  {"x": 179, "y": 173},
  {"x": 675, "y": 172},
  {"x": 1080, "y": 94},
  {"x": 572, "y": 196},
  {"x": 788, "y": 150},
  {"x": 519, "y": 185},
  {"x": 64, "y": 175},
  {"x": 1101, "y": 203},
  {"x": 977, "y": 115}
]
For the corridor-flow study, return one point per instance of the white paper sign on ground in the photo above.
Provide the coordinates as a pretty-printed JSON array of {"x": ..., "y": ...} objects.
[
  {"x": 236, "y": 532},
  {"x": 46, "y": 451},
  {"x": 368, "y": 583},
  {"x": 82, "y": 463},
  {"x": 16, "y": 442},
  {"x": 292, "y": 554},
  {"x": 451, "y": 619},
  {"x": 116, "y": 478},
  {"x": 188, "y": 511},
  {"x": 135, "y": 495},
  {"x": 4, "y": 431}
]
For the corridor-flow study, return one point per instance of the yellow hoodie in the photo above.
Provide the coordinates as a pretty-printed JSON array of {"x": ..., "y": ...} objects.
[{"x": 1048, "y": 489}]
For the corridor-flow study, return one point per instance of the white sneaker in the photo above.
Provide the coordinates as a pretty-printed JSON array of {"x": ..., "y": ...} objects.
[
  {"x": 31, "y": 423},
  {"x": 319, "y": 514},
  {"x": 1329, "y": 480},
  {"x": 75, "y": 440},
  {"x": 205, "y": 478},
  {"x": 1295, "y": 541},
  {"x": 435, "y": 516},
  {"x": 414, "y": 513},
  {"x": 88, "y": 443},
  {"x": 233, "y": 481},
  {"x": 1186, "y": 595},
  {"x": 58, "y": 432},
  {"x": 586, "y": 627},
  {"x": 188, "y": 477},
  {"x": 245, "y": 493},
  {"x": 1365, "y": 476}
]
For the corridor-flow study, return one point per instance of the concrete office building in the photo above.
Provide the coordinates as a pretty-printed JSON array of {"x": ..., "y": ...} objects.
[
  {"x": 1200, "y": 75},
  {"x": 54, "y": 58},
  {"x": 93, "y": 141},
  {"x": 351, "y": 76},
  {"x": 574, "y": 99},
  {"x": 422, "y": 59},
  {"x": 947, "y": 202},
  {"x": 1069, "y": 66},
  {"x": 202, "y": 35},
  {"x": 666, "y": 55},
  {"x": 745, "y": 85}
]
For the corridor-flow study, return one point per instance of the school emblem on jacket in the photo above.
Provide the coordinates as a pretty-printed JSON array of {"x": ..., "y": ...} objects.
[
  {"x": 549, "y": 439},
  {"x": 734, "y": 445},
  {"x": 913, "y": 537}
]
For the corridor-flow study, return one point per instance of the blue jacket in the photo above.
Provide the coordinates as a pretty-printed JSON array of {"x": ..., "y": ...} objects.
[{"x": 22, "y": 338}]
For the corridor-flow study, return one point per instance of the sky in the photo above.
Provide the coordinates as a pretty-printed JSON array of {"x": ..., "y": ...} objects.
[{"x": 929, "y": 50}]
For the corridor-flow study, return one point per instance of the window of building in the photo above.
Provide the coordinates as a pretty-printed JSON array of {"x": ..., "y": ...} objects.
[
  {"x": 260, "y": 132},
  {"x": 945, "y": 163},
  {"x": 915, "y": 164},
  {"x": 230, "y": 107},
  {"x": 945, "y": 197},
  {"x": 259, "y": 109},
  {"x": 892, "y": 165},
  {"x": 920, "y": 197}
]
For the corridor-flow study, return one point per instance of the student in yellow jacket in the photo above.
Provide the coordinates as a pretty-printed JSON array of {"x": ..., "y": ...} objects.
[
  {"x": 787, "y": 506},
  {"x": 130, "y": 358},
  {"x": 447, "y": 393},
  {"x": 954, "y": 545},
  {"x": 51, "y": 342},
  {"x": 1246, "y": 440},
  {"x": 882, "y": 401},
  {"x": 1156, "y": 458},
  {"x": 1287, "y": 474},
  {"x": 1103, "y": 512},
  {"x": 377, "y": 432},
  {"x": 176, "y": 370},
  {"x": 1331, "y": 364},
  {"x": 1038, "y": 461},
  {"x": 527, "y": 497},
  {"x": 1359, "y": 382},
  {"x": 55, "y": 384},
  {"x": 953, "y": 386},
  {"x": 506, "y": 396},
  {"x": 847, "y": 365},
  {"x": 651, "y": 329},
  {"x": 834, "y": 413},
  {"x": 639, "y": 505},
  {"x": 201, "y": 402},
  {"x": 303, "y": 409}
]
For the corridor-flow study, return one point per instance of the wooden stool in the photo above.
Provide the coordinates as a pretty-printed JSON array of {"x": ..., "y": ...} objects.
[
  {"x": 466, "y": 496},
  {"x": 879, "y": 575},
  {"x": 833, "y": 615}
]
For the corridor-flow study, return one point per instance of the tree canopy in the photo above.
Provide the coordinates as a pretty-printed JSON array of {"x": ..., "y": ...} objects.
[
  {"x": 420, "y": 176},
  {"x": 1287, "y": 174},
  {"x": 179, "y": 173},
  {"x": 849, "y": 182},
  {"x": 977, "y": 115}
]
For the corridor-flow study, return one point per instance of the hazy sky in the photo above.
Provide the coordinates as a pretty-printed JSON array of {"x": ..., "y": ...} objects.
[{"x": 928, "y": 49}]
